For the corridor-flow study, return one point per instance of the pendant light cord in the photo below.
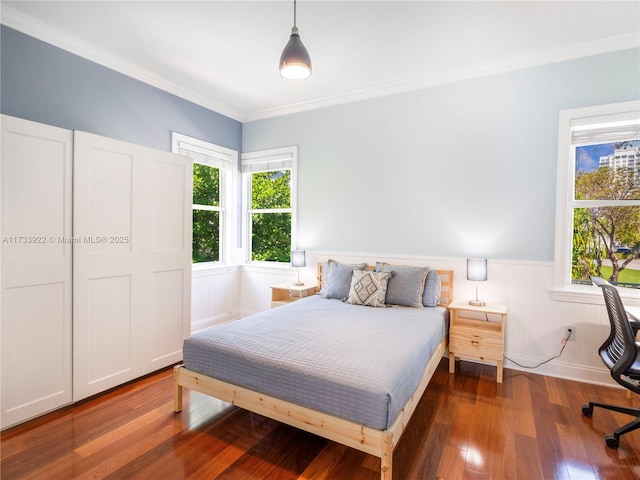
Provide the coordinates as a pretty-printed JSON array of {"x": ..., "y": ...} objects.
[{"x": 295, "y": 26}]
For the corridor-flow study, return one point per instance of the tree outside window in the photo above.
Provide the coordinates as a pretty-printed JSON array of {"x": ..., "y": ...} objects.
[
  {"x": 206, "y": 213},
  {"x": 606, "y": 213},
  {"x": 271, "y": 215}
]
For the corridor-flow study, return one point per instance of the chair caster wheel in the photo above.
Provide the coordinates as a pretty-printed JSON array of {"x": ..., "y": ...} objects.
[
  {"x": 612, "y": 442},
  {"x": 587, "y": 411}
]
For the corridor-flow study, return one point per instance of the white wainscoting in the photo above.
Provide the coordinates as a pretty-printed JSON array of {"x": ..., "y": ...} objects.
[
  {"x": 215, "y": 296},
  {"x": 256, "y": 279},
  {"x": 535, "y": 322}
]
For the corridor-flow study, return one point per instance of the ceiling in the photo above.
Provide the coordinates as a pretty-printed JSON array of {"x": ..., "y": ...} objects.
[{"x": 224, "y": 54}]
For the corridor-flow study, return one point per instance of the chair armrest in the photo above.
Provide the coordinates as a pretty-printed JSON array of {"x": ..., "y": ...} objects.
[{"x": 635, "y": 326}]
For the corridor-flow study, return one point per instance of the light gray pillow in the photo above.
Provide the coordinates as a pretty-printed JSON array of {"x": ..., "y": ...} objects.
[
  {"x": 368, "y": 288},
  {"x": 432, "y": 289},
  {"x": 406, "y": 286},
  {"x": 325, "y": 276},
  {"x": 339, "y": 279}
]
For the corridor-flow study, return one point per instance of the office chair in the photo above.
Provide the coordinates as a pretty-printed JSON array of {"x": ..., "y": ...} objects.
[{"x": 621, "y": 354}]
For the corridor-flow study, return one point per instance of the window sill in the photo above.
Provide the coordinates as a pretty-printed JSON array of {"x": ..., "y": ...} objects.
[
  {"x": 267, "y": 265},
  {"x": 199, "y": 269},
  {"x": 592, "y": 295},
  {"x": 207, "y": 266}
]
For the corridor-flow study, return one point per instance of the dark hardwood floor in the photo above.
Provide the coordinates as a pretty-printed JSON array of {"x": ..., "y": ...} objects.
[{"x": 466, "y": 427}]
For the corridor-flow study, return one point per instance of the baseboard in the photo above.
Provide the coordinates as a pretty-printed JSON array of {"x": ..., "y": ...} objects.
[
  {"x": 579, "y": 373},
  {"x": 203, "y": 323}
]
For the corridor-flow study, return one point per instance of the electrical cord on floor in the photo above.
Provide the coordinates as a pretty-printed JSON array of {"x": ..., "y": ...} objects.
[{"x": 564, "y": 344}]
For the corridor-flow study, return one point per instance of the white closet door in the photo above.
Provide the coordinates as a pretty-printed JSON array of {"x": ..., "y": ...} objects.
[
  {"x": 167, "y": 257},
  {"x": 36, "y": 175},
  {"x": 132, "y": 269},
  {"x": 108, "y": 223}
]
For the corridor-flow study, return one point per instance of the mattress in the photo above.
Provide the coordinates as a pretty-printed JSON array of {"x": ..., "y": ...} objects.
[{"x": 358, "y": 363}]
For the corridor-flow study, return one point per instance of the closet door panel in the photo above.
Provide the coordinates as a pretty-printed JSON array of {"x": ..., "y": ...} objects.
[
  {"x": 111, "y": 202},
  {"x": 109, "y": 329},
  {"x": 35, "y": 228},
  {"x": 168, "y": 256},
  {"x": 35, "y": 255},
  {"x": 167, "y": 305},
  {"x": 33, "y": 343},
  {"x": 107, "y": 300},
  {"x": 170, "y": 184}
]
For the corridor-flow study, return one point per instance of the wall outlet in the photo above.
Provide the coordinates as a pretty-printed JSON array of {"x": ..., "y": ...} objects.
[{"x": 565, "y": 332}]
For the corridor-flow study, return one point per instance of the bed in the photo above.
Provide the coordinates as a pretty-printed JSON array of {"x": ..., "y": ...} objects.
[{"x": 315, "y": 364}]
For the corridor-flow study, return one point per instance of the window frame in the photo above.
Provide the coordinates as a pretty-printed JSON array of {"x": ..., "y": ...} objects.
[
  {"x": 226, "y": 160},
  {"x": 563, "y": 289},
  {"x": 284, "y": 158}
]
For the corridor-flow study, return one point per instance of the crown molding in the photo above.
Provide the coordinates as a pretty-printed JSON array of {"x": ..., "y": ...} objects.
[
  {"x": 58, "y": 38},
  {"x": 533, "y": 59},
  {"x": 48, "y": 34}
]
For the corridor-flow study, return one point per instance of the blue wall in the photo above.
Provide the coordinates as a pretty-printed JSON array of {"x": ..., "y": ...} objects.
[
  {"x": 46, "y": 84},
  {"x": 457, "y": 170}
]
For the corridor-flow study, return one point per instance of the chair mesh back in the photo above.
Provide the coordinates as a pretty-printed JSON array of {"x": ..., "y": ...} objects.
[
  {"x": 617, "y": 344},
  {"x": 619, "y": 351}
]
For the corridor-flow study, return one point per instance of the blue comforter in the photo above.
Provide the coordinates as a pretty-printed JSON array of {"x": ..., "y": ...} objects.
[{"x": 357, "y": 363}]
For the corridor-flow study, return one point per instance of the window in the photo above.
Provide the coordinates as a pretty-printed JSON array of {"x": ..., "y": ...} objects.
[
  {"x": 598, "y": 216},
  {"x": 269, "y": 179},
  {"x": 606, "y": 214},
  {"x": 214, "y": 170},
  {"x": 208, "y": 213}
]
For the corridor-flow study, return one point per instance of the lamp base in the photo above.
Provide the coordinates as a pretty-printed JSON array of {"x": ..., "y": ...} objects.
[
  {"x": 477, "y": 303},
  {"x": 298, "y": 284}
]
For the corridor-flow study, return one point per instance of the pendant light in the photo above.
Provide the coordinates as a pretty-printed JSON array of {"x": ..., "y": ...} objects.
[{"x": 295, "y": 63}]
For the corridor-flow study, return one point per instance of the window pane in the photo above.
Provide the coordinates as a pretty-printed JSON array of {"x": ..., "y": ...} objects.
[
  {"x": 206, "y": 236},
  {"x": 206, "y": 185},
  {"x": 271, "y": 189},
  {"x": 271, "y": 237},
  {"x": 606, "y": 243},
  {"x": 608, "y": 171}
]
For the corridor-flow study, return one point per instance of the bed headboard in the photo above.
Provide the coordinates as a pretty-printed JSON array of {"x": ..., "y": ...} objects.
[{"x": 446, "y": 280}]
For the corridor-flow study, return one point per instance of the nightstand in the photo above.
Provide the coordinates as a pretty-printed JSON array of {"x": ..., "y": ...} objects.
[
  {"x": 284, "y": 293},
  {"x": 472, "y": 336}
]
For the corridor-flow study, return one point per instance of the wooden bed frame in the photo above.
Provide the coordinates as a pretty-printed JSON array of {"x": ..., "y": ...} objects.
[{"x": 379, "y": 443}]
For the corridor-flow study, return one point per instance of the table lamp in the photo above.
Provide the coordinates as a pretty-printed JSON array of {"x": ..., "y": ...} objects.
[
  {"x": 298, "y": 259},
  {"x": 477, "y": 272}
]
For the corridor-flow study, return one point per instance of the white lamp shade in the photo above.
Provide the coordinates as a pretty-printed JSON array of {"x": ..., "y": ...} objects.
[
  {"x": 298, "y": 258},
  {"x": 477, "y": 269}
]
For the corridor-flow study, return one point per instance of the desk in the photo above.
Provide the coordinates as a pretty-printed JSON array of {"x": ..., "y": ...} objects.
[{"x": 633, "y": 313}]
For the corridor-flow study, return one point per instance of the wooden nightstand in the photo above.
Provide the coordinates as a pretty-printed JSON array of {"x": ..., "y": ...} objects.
[
  {"x": 284, "y": 293},
  {"x": 472, "y": 336}
]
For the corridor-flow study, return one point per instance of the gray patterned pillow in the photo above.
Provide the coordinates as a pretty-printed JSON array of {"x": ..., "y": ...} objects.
[{"x": 368, "y": 288}]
